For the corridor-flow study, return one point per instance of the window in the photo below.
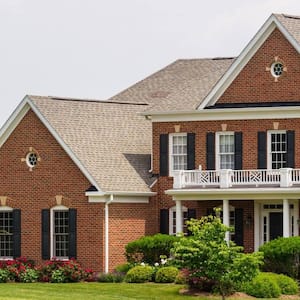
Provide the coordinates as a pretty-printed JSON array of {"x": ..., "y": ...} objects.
[
  {"x": 277, "y": 149},
  {"x": 6, "y": 234},
  {"x": 31, "y": 159},
  {"x": 277, "y": 69},
  {"x": 178, "y": 151},
  {"x": 60, "y": 232},
  {"x": 172, "y": 220},
  {"x": 225, "y": 150}
]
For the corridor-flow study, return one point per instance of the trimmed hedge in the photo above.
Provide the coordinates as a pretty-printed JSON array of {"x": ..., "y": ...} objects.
[
  {"x": 166, "y": 275},
  {"x": 282, "y": 256},
  {"x": 268, "y": 285},
  {"x": 139, "y": 274},
  {"x": 148, "y": 249}
]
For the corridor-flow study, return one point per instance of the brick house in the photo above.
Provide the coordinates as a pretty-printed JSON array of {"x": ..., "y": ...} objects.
[{"x": 81, "y": 178}]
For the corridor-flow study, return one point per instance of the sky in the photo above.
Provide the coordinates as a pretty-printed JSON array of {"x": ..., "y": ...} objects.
[{"x": 97, "y": 48}]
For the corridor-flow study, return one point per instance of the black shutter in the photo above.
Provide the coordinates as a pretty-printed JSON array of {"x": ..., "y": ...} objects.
[
  {"x": 238, "y": 150},
  {"x": 16, "y": 215},
  {"x": 45, "y": 234},
  {"x": 72, "y": 233},
  {"x": 164, "y": 155},
  {"x": 164, "y": 221},
  {"x": 290, "y": 162},
  {"x": 210, "y": 151},
  {"x": 191, "y": 151},
  {"x": 191, "y": 215},
  {"x": 261, "y": 150},
  {"x": 239, "y": 227}
]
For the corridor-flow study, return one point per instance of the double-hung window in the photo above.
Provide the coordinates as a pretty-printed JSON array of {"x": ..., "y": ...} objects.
[
  {"x": 6, "y": 234},
  {"x": 178, "y": 151},
  {"x": 277, "y": 149},
  {"x": 60, "y": 233},
  {"x": 225, "y": 150}
]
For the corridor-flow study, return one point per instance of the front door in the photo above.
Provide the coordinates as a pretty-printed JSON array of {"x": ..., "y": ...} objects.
[{"x": 276, "y": 225}]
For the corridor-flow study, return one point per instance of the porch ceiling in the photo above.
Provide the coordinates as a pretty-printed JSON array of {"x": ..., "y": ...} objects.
[{"x": 234, "y": 194}]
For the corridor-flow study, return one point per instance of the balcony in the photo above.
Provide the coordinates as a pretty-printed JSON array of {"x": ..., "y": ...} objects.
[{"x": 198, "y": 179}]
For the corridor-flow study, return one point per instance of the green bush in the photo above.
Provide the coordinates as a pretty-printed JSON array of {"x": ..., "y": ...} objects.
[
  {"x": 262, "y": 286},
  {"x": 288, "y": 285},
  {"x": 166, "y": 275},
  {"x": 123, "y": 268},
  {"x": 58, "y": 276},
  {"x": 4, "y": 275},
  {"x": 149, "y": 249},
  {"x": 29, "y": 275},
  {"x": 139, "y": 274},
  {"x": 282, "y": 256},
  {"x": 110, "y": 277}
]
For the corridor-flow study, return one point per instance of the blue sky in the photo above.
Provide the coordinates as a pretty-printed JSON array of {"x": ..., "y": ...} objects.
[{"x": 96, "y": 48}]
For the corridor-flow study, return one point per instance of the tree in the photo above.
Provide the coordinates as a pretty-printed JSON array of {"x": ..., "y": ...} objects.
[{"x": 212, "y": 264}]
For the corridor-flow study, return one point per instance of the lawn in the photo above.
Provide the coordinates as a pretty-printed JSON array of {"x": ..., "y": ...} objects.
[{"x": 90, "y": 291}]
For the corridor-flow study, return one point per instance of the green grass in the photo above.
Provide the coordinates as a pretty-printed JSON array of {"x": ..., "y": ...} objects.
[{"x": 90, "y": 291}]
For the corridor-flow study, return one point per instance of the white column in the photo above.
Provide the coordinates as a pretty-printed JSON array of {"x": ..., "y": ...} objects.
[
  {"x": 257, "y": 234},
  {"x": 179, "y": 228},
  {"x": 286, "y": 218},
  {"x": 226, "y": 217},
  {"x": 296, "y": 218}
]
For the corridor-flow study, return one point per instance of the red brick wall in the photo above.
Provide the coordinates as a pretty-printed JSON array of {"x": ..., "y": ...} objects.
[
  {"x": 255, "y": 84},
  {"x": 56, "y": 174}
]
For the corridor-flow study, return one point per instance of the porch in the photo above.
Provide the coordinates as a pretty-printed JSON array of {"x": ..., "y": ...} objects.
[{"x": 275, "y": 195}]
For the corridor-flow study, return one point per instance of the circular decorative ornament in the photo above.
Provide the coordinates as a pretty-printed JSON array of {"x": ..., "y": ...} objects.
[
  {"x": 277, "y": 69},
  {"x": 31, "y": 159}
]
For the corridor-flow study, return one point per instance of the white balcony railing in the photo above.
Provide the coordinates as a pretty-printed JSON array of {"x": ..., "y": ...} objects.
[{"x": 284, "y": 177}]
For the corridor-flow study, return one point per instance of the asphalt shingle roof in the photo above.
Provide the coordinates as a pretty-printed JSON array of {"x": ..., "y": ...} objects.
[{"x": 111, "y": 140}]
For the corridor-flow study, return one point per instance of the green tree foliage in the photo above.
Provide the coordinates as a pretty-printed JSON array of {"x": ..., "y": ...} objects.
[
  {"x": 149, "y": 249},
  {"x": 212, "y": 263}
]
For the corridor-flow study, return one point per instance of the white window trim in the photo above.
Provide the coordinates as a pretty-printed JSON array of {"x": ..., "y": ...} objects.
[
  {"x": 52, "y": 210},
  {"x": 171, "y": 135},
  {"x": 171, "y": 211},
  {"x": 217, "y": 146},
  {"x": 4, "y": 209},
  {"x": 269, "y": 154}
]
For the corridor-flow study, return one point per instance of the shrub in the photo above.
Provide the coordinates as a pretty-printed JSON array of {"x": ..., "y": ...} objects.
[
  {"x": 211, "y": 263},
  {"x": 166, "y": 275},
  {"x": 288, "y": 285},
  {"x": 58, "y": 276},
  {"x": 4, "y": 275},
  {"x": 29, "y": 275},
  {"x": 139, "y": 274},
  {"x": 149, "y": 249},
  {"x": 124, "y": 268},
  {"x": 181, "y": 277},
  {"x": 282, "y": 256},
  {"x": 111, "y": 277},
  {"x": 262, "y": 286}
]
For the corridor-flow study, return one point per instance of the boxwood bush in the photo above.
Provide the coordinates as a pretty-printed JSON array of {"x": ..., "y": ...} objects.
[
  {"x": 139, "y": 274},
  {"x": 262, "y": 286},
  {"x": 148, "y": 249},
  {"x": 267, "y": 285},
  {"x": 166, "y": 275},
  {"x": 282, "y": 256}
]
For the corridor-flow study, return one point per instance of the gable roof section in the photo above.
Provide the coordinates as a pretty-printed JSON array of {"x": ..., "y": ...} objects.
[
  {"x": 178, "y": 87},
  {"x": 289, "y": 26},
  {"x": 109, "y": 142}
]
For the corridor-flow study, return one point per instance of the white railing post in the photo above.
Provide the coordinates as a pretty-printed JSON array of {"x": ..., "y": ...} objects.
[
  {"x": 225, "y": 178},
  {"x": 177, "y": 180},
  {"x": 285, "y": 177}
]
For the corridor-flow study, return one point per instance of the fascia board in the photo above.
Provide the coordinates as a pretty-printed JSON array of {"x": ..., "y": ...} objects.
[{"x": 244, "y": 58}]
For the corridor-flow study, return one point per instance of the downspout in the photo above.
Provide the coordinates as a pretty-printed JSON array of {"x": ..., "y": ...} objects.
[{"x": 106, "y": 266}]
